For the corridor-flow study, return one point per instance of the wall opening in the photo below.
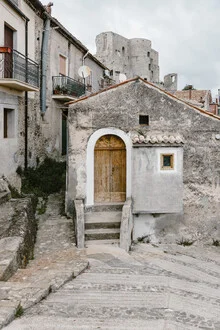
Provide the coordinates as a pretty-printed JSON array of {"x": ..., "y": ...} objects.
[
  {"x": 90, "y": 160},
  {"x": 110, "y": 169},
  {"x": 9, "y": 123},
  {"x": 143, "y": 120}
]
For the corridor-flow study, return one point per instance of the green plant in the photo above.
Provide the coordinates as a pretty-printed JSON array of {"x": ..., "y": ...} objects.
[
  {"x": 48, "y": 178},
  {"x": 19, "y": 170},
  {"x": 41, "y": 209},
  {"x": 19, "y": 311},
  {"x": 185, "y": 242},
  {"x": 144, "y": 239},
  {"x": 216, "y": 242},
  {"x": 14, "y": 192},
  {"x": 187, "y": 87}
]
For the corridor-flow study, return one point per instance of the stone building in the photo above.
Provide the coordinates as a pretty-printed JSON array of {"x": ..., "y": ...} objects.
[
  {"x": 137, "y": 145},
  {"x": 39, "y": 62},
  {"x": 132, "y": 57},
  {"x": 20, "y": 137},
  {"x": 63, "y": 83}
]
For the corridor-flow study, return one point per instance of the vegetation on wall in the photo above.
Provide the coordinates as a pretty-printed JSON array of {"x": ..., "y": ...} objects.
[{"x": 48, "y": 178}]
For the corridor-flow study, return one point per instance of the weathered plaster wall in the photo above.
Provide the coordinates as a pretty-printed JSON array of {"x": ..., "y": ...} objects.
[
  {"x": 156, "y": 190},
  {"x": 120, "y": 107}
]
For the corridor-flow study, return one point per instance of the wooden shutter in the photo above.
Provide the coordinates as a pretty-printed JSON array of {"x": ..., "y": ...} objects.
[{"x": 62, "y": 65}]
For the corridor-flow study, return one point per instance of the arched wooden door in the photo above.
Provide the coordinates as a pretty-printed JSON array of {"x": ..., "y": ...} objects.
[{"x": 110, "y": 169}]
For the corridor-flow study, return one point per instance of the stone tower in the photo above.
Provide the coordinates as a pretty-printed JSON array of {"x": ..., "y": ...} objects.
[
  {"x": 170, "y": 82},
  {"x": 133, "y": 57}
]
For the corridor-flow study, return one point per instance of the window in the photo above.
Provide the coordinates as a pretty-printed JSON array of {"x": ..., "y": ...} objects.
[
  {"x": 143, "y": 120},
  {"x": 123, "y": 50},
  {"x": 9, "y": 123},
  {"x": 167, "y": 161},
  {"x": 148, "y": 54},
  {"x": 149, "y": 66},
  {"x": 62, "y": 65}
]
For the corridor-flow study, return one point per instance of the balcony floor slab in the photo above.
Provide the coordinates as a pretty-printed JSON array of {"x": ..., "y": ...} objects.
[
  {"x": 18, "y": 85},
  {"x": 64, "y": 98}
]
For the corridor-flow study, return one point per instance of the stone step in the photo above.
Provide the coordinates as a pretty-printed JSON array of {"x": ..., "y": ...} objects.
[
  {"x": 90, "y": 323},
  {"x": 102, "y": 220},
  {"x": 104, "y": 207},
  {"x": 103, "y": 242},
  {"x": 103, "y": 233}
]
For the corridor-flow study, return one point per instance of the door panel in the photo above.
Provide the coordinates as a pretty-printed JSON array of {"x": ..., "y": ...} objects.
[
  {"x": 8, "y": 63},
  {"x": 118, "y": 179},
  {"x": 110, "y": 169}
]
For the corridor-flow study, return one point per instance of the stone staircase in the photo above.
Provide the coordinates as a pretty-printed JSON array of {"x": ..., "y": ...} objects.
[{"x": 102, "y": 224}]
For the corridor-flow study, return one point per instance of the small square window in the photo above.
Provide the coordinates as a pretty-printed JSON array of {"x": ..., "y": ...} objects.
[
  {"x": 143, "y": 120},
  {"x": 167, "y": 161}
]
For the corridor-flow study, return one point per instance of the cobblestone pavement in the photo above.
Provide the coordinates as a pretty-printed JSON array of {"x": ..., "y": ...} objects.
[{"x": 165, "y": 287}]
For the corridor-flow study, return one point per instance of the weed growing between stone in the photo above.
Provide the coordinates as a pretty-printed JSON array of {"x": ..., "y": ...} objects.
[
  {"x": 216, "y": 242},
  {"x": 185, "y": 242},
  {"x": 19, "y": 311}
]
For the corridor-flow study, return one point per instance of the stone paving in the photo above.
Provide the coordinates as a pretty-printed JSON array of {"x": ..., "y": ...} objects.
[
  {"x": 168, "y": 287},
  {"x": 56, "y": 261}
]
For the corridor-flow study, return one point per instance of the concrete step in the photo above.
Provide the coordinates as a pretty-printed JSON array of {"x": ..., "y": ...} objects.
[
  {"x": 104, "y": 207},
  {"x": 103, "y": 242},
  {"x": 102, "y": 233},
  {"x": 102, "y": 220}
]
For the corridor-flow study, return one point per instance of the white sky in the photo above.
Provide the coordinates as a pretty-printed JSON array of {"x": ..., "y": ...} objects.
[{"x": 186, "y": 33}]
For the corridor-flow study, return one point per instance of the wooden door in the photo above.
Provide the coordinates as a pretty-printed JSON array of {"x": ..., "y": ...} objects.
[
  {"x": 8, "y": 62},
  {"x": 110, "y": 169}
]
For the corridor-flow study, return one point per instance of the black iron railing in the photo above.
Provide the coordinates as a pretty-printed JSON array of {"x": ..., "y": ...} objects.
[
  {"x": 63, "y": 85},
  {"x": 15, "y": 65}
]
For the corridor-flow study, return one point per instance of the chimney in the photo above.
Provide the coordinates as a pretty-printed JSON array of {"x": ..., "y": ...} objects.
[
  {"x": 48, "y": 7},
  {"x": 190, "y": 92}
]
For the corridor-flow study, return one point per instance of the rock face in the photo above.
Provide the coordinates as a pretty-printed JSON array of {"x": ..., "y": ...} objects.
[{"x": 183, "y": 201}]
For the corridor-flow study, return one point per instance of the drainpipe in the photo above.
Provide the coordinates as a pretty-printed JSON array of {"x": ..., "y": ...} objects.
[
  {"x": 44, "y": 56},
  {"x": 26, "y": 100}
]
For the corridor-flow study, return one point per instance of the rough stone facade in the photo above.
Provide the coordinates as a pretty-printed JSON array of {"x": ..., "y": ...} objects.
[
  {"x": 132, "y": 57},
  {"x": 185, "y": 201}
]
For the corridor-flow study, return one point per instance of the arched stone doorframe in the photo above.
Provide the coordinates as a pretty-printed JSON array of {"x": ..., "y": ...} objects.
[{"x": 90, "y": 161}]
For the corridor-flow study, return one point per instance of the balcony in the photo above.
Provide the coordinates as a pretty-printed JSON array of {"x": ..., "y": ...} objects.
[
  {"x": 67, "y": 89},
  {"x": 17, "y": 71}
]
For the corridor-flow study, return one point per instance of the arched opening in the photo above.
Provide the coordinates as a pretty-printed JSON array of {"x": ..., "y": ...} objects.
[
  {"x": 90, "y": 160},
  {"x": 109, "y": 170}
]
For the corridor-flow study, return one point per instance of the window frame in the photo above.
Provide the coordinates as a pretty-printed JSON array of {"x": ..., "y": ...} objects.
[
  {"x": 165, "y": 168},
  {"x": 9, "y": 118}
]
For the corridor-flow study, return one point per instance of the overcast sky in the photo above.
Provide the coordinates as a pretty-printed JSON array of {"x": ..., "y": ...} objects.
[{"x": 186, "y": 33}]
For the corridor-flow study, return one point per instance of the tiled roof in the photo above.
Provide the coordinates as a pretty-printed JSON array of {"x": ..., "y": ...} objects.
[
  {"x": 150, "y": 84},
  {"x": 196, "y": 95},
  {"x": 156, "y": 139}
]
